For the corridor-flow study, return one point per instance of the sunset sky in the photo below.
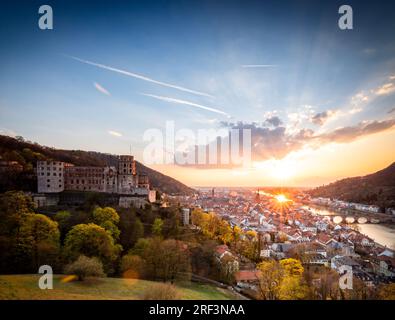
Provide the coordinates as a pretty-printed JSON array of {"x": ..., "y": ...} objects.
[{"x": 320, "y": 101}]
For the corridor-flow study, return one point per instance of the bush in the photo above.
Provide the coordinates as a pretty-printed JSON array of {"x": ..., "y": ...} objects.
[
  {"x": 85, "y": 267},
  {"x": 132, "y": 266},
  {"x": 162, "y": 291}
]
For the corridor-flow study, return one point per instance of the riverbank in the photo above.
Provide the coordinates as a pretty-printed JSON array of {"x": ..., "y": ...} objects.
[{"x": 383, "y": 234}]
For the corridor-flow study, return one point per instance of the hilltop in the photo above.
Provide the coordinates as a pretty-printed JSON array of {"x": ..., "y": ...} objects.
[
  {"x": 377, "y": 188},
  {"x": 27, "y": 153}
]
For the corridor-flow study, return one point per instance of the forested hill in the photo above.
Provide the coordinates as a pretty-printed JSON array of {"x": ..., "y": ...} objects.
[
  {"x": 377, "y": 188},
  {"x": 27, "y": 153}
]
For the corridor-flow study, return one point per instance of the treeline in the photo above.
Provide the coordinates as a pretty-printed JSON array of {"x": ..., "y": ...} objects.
[
  {"x": 139, "y": 243},
  {"x": 375, "y": 189}
]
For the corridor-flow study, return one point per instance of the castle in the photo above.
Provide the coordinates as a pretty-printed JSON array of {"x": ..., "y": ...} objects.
[{"x": 55, "y": 177}]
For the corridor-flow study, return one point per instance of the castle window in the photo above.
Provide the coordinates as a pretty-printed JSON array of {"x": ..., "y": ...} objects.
[
  {"x": 54, "y": 173},
  {"x": 60, "y": 186},
  {"x": 48, "y": 186}
]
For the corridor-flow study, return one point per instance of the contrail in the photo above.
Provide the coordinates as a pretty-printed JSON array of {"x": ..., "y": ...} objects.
[
  {"x": 139, "y": 76},
  {"x": 184, "y": 102}
]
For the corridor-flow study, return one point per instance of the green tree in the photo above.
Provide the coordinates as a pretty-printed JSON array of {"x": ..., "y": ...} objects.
[
  {"x": 131, "y": 229},
  {"x": 107, "y": 218},
  {"x": 157, "y": 227},
  {"x": 102, "y": 215},
  {"x": 39, "y": 239},
  {"x": 93, "y": 241}
]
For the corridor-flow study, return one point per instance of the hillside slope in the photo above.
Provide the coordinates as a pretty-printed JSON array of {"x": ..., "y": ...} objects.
[
  {"x": 377, "y": 188},
  {"x": 27, "y": 153},
  {"x": 16, "y": 287}
]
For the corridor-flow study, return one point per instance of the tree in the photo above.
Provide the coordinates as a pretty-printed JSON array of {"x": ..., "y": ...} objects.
[
  {"x": 63, "y": 220},
  {"x": 39, "y": 238},
  {"x": 102, "y": 215},
  {"x": 291, "y": 288},
  {"x": 85, "y": 267},
  {"x": 387, "y": 291},
  {"x": 270, "y": 279},
  {"x": 292, "y": 267},
  {"x": 173, "y": 260},
  {"x": 167, "y": 260},
  {"x": 282, "y": 280},
  {"x": 131, "y": 229},
  {"x": 157, "y": 227},
  {"x": 107, "y": 218},
  {"x": 93, "y": 241}
]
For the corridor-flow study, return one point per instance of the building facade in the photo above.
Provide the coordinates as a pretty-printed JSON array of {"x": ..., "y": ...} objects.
[{"x": 55, "y": 177}]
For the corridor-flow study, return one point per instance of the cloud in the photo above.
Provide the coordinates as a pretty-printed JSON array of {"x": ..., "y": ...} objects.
[
  {"x": 258, "y": 65},
  {"x": 321, "y": 117},
  {"x": 385, "y": 89},
  {"x": 392, "y": 110},
  {"x": 274, "y": 121},
  {"x": 276, "y": 143},
  {"x": 348, "y": 134},
  {"x": 114, "y": 133},
  {"x": 184, "y": 102},
  {"x": 139, "y": 76},
  {"x": 101, "y": 89}
]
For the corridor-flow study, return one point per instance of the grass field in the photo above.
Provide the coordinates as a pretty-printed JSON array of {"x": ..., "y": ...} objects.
[{"x": 25, "y": 287}]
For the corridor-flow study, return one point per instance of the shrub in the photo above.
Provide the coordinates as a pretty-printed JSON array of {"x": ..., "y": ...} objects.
[
  {"x": 85, "y": 267},
  {"x": 132, "y": 266},
  {"x": 162, "y": 291}
]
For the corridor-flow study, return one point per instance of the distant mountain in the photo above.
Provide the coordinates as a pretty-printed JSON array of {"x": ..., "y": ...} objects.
[
  {"x": 377, "y": 188},
  {"x": 27, "y": 153}
]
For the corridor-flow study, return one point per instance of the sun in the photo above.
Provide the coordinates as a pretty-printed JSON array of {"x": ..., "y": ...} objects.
[{"x": 281, "y": 198}]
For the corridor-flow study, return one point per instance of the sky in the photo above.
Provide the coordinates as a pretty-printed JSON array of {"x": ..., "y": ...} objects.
[{"x": 319, "y": 101}]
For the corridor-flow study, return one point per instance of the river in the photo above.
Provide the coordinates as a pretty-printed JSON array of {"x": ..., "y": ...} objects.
[{"x": 380, "y": 233}]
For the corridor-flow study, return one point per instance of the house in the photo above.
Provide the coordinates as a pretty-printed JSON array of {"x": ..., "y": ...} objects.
[
  {"x": 384, "y": 266},
  {"x": 338, "y": 261},
  {"x": 226, "y": 259},
  {"x": 388, "y": 253},
  {"x": 366, "y": 242},
  {"x": 247, "y": 279},
  {"x": 311, "y": 258}
]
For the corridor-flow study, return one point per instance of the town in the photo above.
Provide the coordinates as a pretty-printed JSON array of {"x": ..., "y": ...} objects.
[{"x": 290, "y": 228}]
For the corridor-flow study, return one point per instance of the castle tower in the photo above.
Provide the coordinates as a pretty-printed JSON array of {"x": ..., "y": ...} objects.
[{"x": 126, "y": 174}]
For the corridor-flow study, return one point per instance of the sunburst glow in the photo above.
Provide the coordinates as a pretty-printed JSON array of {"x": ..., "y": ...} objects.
[{"x": 281, "y": 198}]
